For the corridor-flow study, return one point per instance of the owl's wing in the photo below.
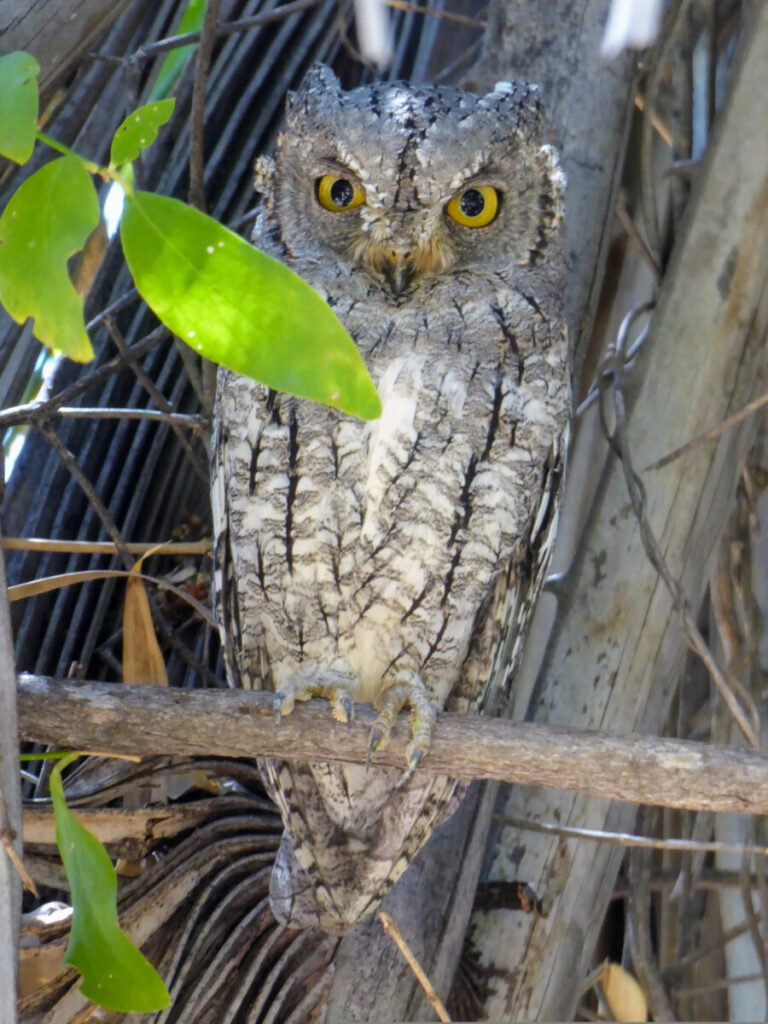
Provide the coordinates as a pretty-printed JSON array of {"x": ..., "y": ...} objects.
[{"x": 503, "y": 619}]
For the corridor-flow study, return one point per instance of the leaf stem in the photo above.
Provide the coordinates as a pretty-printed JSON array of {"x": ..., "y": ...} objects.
[{"x": 89, "y": 165}]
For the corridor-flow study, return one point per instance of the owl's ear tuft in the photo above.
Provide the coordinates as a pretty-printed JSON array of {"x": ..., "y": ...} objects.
[
  {"x": 520, "y": 99},
  {"x": 318, "y": 85}
]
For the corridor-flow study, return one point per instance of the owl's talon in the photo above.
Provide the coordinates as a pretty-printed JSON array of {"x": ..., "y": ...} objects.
[
  {"x": 406, "y": 690},
  {"x": 377, "y": 735},
  {"x": 346, "y": 704},
  {"x": 314, "y": 681},
  {"x": 413, "y": 763}
]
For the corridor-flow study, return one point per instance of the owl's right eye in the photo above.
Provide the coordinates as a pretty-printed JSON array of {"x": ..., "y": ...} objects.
[{"x": 338, "y": 194}]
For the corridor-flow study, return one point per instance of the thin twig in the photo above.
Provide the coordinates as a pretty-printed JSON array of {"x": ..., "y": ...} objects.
[
  {"x": 750, "y": 915},
  {"x": 104, "y": 547},
  {"x": 660, "y": 126},
  {"x": 709, "y": 435},
  {"x": 24, "y": 415},
  {"x": 98, "y": 506},
  {"x": 627, "y": 839},
  {"x": 114, "y": 307},
  {"x": 626, "y": 221},
  {"x": 698, "y": 954},
  {"x": 6, "y": 840},
  {"x": 224, "y": 28},
  {"x": 197, "y": 116},
  {"x": 176, "y": 419},
  {"x": 433, "y": 998},
  {"x": 458, "y": 19},
  {"x": 610, "y": 375},
  {"x": 638, "y": 910},
  {"x": 10, "y": 417},
  {"x": 713, "y": 986},
  {"x": 22, "y": 591}
]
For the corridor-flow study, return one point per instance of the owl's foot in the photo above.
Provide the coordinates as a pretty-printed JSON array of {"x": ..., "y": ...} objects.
[
  {"x": 407, "y": 689},
  {"x": 316, "y": 682}
]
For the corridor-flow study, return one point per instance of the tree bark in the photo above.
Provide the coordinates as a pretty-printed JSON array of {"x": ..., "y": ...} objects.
[
  {"x": 158, "y": 721},
  {"x": 703, "y": 361},
  {"x": 56, "y": 33},
  {"x": 10, "y": 815}
]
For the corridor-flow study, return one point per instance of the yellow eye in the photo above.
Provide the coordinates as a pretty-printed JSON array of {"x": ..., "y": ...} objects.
[
  {"x": 338, "y": 194},
  {"x": 474, "y": 207}
]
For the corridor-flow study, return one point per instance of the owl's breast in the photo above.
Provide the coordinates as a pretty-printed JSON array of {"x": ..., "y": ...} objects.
[{"x": 374, "y": 546}]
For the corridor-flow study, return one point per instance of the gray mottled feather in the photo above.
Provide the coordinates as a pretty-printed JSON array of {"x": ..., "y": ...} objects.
[{"x": 412, "y": 543}]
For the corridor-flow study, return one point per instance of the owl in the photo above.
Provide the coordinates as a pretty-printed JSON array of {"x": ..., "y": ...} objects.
[{"x": 394, "y": 561}]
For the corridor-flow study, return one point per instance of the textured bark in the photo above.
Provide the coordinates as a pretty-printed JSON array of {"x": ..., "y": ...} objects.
[
  {"x": 147, "y": 721},
  {"x": 56, "y": 33},
  {"x": 704, "y": 360},
  {"x": 10, "y": 815}
]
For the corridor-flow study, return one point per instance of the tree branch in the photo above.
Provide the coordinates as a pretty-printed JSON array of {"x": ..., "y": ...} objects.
[
  {"x": 157, "y": 721},
  {"x": 10, "y": 817}
]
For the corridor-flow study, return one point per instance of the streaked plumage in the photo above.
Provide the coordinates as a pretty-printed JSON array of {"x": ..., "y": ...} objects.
[{"x": 408, "y": 547}]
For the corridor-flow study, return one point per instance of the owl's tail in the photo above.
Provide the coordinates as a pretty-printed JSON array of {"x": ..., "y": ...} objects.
[{"x": 299, "y": 902}]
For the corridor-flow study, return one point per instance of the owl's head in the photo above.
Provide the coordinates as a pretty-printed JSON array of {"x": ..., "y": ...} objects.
[{"x": 404, "y": 183}]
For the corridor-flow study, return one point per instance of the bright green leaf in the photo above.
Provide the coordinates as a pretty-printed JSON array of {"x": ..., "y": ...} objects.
[
  {"x": 18, "y": 105},
  {"x": 115, "y": 973},
  {"x": 46, "y": 221},
  {"x": 240, "y": 308},
  {"x": 176, "y": 60},
  {"x": 139, "y": 130}
]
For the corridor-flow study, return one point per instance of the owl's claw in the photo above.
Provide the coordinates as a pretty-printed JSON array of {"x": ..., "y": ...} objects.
[
  {"x": 346, "y": 705},
  {"x": 406, "y": 690},
  {"x": 311, "y": 681},
  {"x": 413, "y": 764},
  {"x": 377, "y": 735}
]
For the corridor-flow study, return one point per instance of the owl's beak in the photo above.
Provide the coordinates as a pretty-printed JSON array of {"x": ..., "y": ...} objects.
[{"x": 398, "y": 270}]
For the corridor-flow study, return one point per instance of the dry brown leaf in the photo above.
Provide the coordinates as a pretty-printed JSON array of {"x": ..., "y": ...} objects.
[
  {"x": 142, "y": 658},
  {"x": 624, "y": 995},
  {"x": 90, "y": 258}
]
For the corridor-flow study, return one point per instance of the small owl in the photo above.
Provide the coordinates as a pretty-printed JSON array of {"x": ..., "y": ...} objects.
[{"x": 394, "y": 561}]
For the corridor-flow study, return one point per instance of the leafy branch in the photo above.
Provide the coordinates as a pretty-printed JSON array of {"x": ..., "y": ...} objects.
[{"x": 225, "y": 299}]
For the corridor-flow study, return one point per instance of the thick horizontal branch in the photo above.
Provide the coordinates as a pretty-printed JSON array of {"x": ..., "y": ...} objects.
[{"x": 156, "y": 721}]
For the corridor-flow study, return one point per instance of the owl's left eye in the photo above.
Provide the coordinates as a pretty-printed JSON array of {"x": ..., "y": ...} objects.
[
  {"x": 474, "y": 207},
  {"x": 338, "y": 194}
]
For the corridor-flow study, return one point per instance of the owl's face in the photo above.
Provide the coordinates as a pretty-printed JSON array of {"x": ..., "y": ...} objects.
[{"x": 403, "y": 183}]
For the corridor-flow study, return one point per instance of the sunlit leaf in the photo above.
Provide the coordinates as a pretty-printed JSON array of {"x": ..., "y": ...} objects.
[
  {"x": 139, "y": 130},
  {"x": 143, "y": 660},
  {"x": 46, "y": 221},
  {"x": 18, "y": 105},
  {"x": 238, "y": 307},
  {"x": 115, "y": 973},
  {"x": 624, "y": 995},
  {"x": 177, "y": 59}
]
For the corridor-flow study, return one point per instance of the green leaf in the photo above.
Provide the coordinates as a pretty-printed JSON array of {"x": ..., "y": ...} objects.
[
  {"x": 115, "y": 973},
  {"x": 139, "y": 130},
  {"x": 18, "y": 105},
  {"x": 176, "y": 60},
  {"x": 46, "y": 221},
  {"x": 240, "y": 308}
]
